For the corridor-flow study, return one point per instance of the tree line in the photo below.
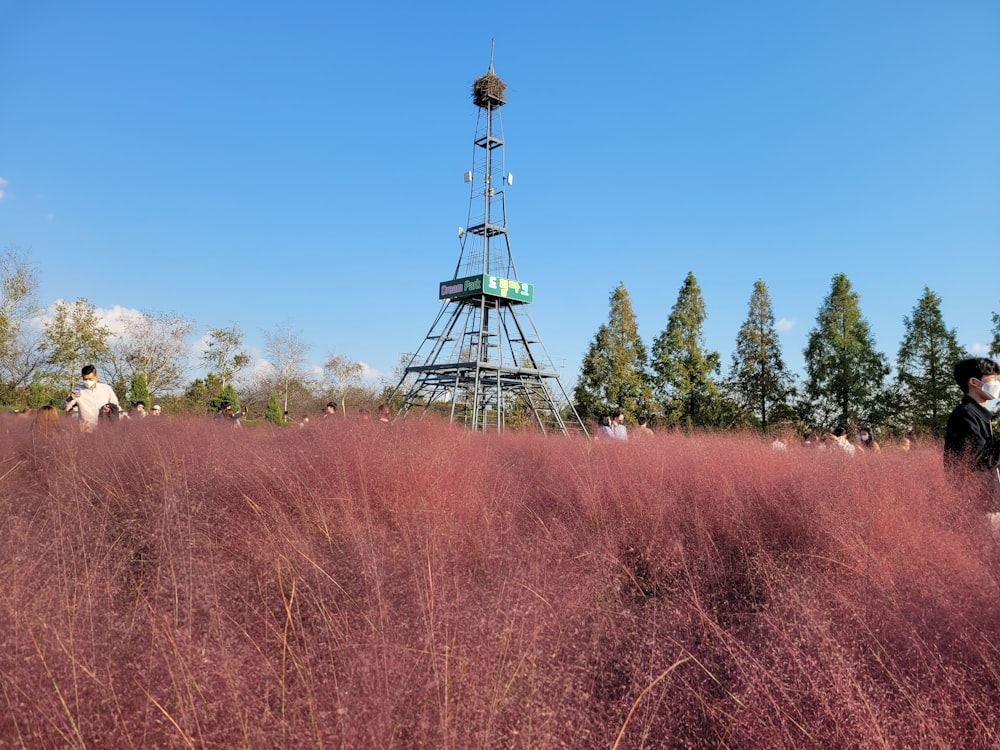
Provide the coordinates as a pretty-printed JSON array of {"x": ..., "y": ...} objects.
[
  {"x": 678, "y": 380},
  {"x": 681, "y": 382},
  {"x": 147, "y": 358}
]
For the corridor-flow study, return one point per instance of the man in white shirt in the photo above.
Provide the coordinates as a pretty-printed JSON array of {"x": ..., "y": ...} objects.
[{"x": 90, "y": 400}]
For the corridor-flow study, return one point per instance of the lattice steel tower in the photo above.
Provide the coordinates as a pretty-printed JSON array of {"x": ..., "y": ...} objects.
[{"x": 483, "y": 362}]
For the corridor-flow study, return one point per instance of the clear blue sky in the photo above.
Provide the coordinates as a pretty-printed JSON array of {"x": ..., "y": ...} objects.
[{"x": 300, "y": 164}]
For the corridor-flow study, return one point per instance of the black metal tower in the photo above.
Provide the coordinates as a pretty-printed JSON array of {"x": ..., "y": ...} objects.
[{"x": 483, "y": 362}]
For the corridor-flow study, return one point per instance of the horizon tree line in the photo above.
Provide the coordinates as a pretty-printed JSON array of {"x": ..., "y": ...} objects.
[
  {"x": 679, "y": 380},
  {"x": 846, "y": 377},
  {"x": 147, "y": 358}
]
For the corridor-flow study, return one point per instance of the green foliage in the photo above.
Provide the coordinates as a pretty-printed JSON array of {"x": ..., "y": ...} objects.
[
  {"x": 40, "y": 393},
  {"x": 926, "y": 360},
  {"x": 228, "y": 393},
  {"x": 759, "y": 381},
  {"x": 613, "y": 374},
  {"x": 683, "y": 367},
  {"x": 200, "y": 393},
  {"x": 18, "y": 287},
  {"x": 75, "y": 337},
  {"x": 138, "y": 391},
  {"x": 845, "y": 372},
  {"x": 224, "y": 355},
  {"x": 273, "y": 413},
  {"x": 995, "y": 345}
]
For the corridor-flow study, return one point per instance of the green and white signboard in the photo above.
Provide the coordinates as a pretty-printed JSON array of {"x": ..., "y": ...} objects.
[{"x": 494, "y": 286}]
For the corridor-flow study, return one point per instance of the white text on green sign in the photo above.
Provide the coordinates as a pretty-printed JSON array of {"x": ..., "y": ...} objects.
[{"x": 494, "y": 286}]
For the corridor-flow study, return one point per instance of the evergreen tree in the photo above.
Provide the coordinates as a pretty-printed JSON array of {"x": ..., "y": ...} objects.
[
  {"x": 845, "y": 373},
  {"x": 926, "y": 362},
  {"x": 138, "y": 390},
  {"x": 683, "y": 367},
  {"x": 273, "y": 412},
  {"x": 760, "y": 382},
  {"x": 613, "y": 373},
  {"x": 226, "y": 395},
  {"x": 201, "y": 393}
]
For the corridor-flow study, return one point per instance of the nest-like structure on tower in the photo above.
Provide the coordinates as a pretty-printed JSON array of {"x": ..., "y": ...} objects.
[{"x": 488, "y": 89}]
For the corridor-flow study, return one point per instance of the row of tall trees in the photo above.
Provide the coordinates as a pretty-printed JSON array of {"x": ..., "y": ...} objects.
[
  {"x": 148, "y": 356},
  {"x": 679, "y": 379},
  {"x": 682, "y": 382}
]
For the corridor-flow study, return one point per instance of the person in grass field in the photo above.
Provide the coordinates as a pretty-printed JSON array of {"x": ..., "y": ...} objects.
[
  {"x": 643, "y": 429},
  {"x": 91, "y": 399},
  {"x": 839, "y": 442},
  {"x": 970, "y": 449},
  {"x": 618, "y": 429},
  {"x": 46, "y": 422},
  {"x": 604, "y": 431},
  {"x": 868, "y": 441}
]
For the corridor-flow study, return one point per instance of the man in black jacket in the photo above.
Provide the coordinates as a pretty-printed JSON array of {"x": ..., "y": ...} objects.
[{"x": 970, "y": 450}]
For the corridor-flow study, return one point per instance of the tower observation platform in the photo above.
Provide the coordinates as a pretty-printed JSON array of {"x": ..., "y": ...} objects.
[{"x": 483, "y": 363}]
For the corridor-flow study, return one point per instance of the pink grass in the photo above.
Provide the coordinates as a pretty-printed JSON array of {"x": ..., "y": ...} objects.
[{"x": 182, "y": 584}]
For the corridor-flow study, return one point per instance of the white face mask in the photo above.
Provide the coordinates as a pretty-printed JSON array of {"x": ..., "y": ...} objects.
[
  {"x": 89, "y": 383},
  {"x": 991, "y": 389}
]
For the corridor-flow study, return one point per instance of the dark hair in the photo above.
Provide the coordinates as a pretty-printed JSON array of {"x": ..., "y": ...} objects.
[
  {"x": 974, "y": 367},
  {"x": 839, "y": 432},
  {"x": 88, "y": 370}
]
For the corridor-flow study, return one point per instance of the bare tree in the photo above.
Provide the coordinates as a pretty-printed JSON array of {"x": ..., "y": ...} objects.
[
  {"x": 152, "y": 343},
  {"x": 341, "y": 373},
  {"x": 286, "y": 352}
]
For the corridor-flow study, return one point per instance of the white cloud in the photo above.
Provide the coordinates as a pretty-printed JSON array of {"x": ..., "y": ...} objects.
[
  {"x": 370, "y": 373},
  {"x": 114, "y": 318},
  {"x": 3, "y": 184},
  {"x": 785, "y": 324},
  {"x": 980, "y": 349},
  {"x": 263, "y": 368}
]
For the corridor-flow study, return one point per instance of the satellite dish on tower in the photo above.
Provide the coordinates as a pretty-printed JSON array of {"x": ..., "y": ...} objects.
[{"x": 510, "y": 178}]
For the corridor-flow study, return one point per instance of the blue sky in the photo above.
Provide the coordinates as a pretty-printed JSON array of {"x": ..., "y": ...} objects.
[{"x": 300, "y": 164}]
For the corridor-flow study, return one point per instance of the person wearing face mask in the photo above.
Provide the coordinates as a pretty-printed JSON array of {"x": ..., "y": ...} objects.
[
  {"x": 970, "y": 449},
  {"x": 91, "y": 398},
  {"x": 868, "y": 441}
]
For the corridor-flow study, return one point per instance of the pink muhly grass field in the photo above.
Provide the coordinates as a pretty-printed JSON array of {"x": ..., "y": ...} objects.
[{"x": 179, "y": 583}]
